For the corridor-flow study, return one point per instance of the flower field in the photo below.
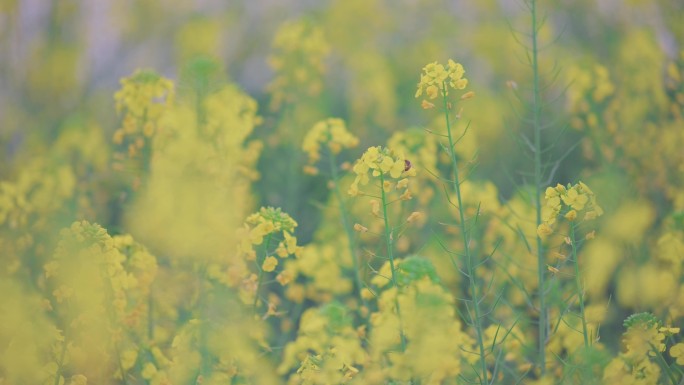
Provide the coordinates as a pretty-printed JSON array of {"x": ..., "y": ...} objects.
[{"x": 370, "y": 192}]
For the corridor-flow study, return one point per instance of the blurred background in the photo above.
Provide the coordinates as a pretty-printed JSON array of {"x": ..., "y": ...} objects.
[
  {"x": 250, "y": 79},
  {"x": 62, "y": 61}
]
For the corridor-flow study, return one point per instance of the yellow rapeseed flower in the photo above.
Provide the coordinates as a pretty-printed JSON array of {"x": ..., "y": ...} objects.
[
  {"x": 331, "y": 132},
  {"x": 380, "y": 161},
  {"x": 436, "y": 79},
  {"x": 269, "y": 264},
  {"x": 677, "y": 352},
  {"x": 571, "y": 201}
]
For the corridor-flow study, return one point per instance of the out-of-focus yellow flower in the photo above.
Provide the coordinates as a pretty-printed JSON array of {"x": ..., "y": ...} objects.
[
  {"x": 149, "y": 370},
  {"x": 269, "y": 264},
  {"x": 677, "y": 352},
  {"x": 286, "y": 276},
  {"x": 78, "y": 379},
  {"x": 142, "y": 100},
  {"x": 360, "y": 228},
  {"x": 643, "y": 336},
  {"x": 128, "y": 358},
  {"x": 427, "y": 105},
  {"x": 327, "y": 349},
  {"x": 571, "y": 215},
  {"x": 299, "y": 51},
  {"x": 668, "y": 331},
  {"x": 544, "y": 230},
  {"x": 331, "y": 132},
  {"x": 375, "y": 207},
  {"x": 468, "y": 95},
  {"x": 414, "y": 216}
]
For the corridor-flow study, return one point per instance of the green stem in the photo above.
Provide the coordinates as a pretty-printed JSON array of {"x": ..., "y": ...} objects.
[
  {"x": 664, "y": 365},
  {"x": 580, "y": 293},
  {"x": 111, "y": 313},
  {"x": 203, "y": 295},
  {"x": 60, "y": 365},
  {"x": 150, "y": 317},
  {"x": 256, "y": 293},
  {"x": 293, "y": 174},
  {"x": 477, "y": 322},
  {"x": 388, "y": 242},
  {"x": 261, "y": 272},
  {"x": 536, "y": 112},
  {"x": 346, "y": 224},
  {"x": 120, "y": 363}
]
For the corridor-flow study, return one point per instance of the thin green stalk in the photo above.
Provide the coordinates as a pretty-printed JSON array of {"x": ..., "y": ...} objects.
[
  {"x": 477, "y": 322},
  {"x": 580, "y": 293},
  {"x": 346, "y": 224},
  {"x": 388, "y": 242},
  {"x": 261, "y": 272},
  {"x": 536, "y": 125},
  {"x": 112, "y": 317},
  {"x": 294, "y": 165},
  {"x": 150, "y": 317},
  {"x": 256, "y": 293},
  {"x": 60, "y": 365},
  {"x": 664, "y": 365},
  {"x": 120, "y": 363},
  {"x": 203, "y": 293}
]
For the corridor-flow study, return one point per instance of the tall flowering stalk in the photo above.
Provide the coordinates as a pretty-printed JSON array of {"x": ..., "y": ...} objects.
[
  {"x": 332, "y": 134},
  {"x": 435, "y": 82},
  {"x": 569, "y": 202},
  {"x": 391, "y": 171},
  {"x": 299, "y": 52},
  {"x": 141, "y": 102},
  {"x": 260, "y": 229},
  {"x": 537, "y": 127}
]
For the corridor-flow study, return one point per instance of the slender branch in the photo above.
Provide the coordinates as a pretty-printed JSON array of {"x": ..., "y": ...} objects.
[
  {"x": 346, "y": 224},
  {"x": 390, "y": 254},
  {"x": 580, "y": 290},
  {"x": 536, "y": 125},
  {"x": 477, "y": 321}
]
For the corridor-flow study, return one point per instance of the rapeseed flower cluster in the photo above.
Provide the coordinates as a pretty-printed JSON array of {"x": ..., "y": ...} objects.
[
  {"x": 99, "y": 291},
  {"x": 332, "y": 133},
  {"x": 588, "y": 86},
  {"x": 142, "y": 101},
  {"x": 328, "y": 350},
  {"x": 39, "y": 188},
  {"x": 644, "y": 343},
  {"x": 423, "y": 301},
  {"x": 323, "y": 270},
  {"x": 298, "y": 60},
  {"x": 381, "y": 162},
  {"x": 436, "y": 80},
  {"x": 265, "y": 238},
  {"x": 570, "y": 201},
  {"x": 422, "y": 149},
  {"x": 201, "y": 169}
]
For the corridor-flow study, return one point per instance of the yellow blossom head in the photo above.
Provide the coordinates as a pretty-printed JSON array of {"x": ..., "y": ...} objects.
[
  {"x": 436, "y": 79},
  {"x": 570, "y": 201},
  {"x": 380, "y": 162}
]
